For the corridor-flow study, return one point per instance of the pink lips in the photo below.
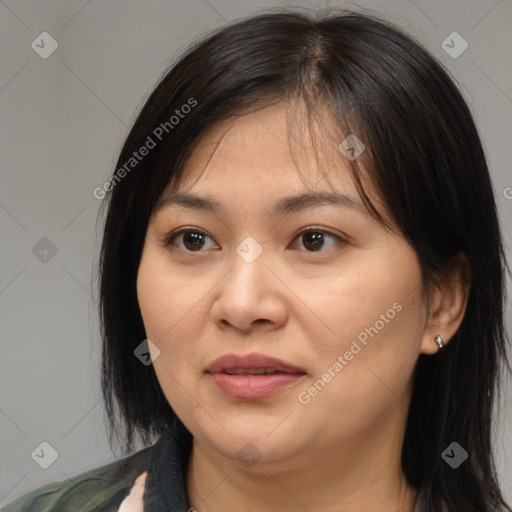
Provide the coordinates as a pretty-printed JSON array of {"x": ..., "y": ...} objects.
[{"x": 243, "y": 377}]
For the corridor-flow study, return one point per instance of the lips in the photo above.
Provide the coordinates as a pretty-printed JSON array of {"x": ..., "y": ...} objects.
[
  {"x": 253, "y": 376},
  {"x": 251, "y": 364}
]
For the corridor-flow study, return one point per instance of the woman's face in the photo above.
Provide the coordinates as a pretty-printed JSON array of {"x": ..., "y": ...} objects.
[{"x": 343, "y": 304}]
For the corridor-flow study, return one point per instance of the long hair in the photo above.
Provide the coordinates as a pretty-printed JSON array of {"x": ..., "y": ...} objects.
[{"x": 424, "y": 155}]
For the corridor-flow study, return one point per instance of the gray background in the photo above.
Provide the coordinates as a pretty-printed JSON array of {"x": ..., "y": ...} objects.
[{"x": 63, "y": 120}]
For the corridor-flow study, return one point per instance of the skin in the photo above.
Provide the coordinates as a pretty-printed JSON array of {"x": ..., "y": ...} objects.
[{"x": 340, "y": 451}]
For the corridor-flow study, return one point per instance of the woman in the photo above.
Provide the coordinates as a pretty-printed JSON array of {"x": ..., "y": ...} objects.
[{"x": 302, "y": 283}]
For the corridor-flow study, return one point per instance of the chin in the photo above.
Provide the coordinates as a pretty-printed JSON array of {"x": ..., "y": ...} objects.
[
  {"x": 255, "y": 452},
  {"x": 239, "y": 430}
]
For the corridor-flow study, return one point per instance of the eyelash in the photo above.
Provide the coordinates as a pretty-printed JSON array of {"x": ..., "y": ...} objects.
[{"x": 169, "y": 240}]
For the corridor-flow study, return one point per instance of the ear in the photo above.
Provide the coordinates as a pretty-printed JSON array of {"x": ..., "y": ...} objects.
[{"x": 448, "y": 301}]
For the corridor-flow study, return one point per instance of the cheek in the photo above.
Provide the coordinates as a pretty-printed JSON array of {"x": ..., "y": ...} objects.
[
  {"x": 375, "y": 319},
  {"x": 167, "y": 308},
  {"x": 163, "y": 298},
  {"x": 366, "y": 373},
  {"x": 170, "y": 306},
  {"x": 152, "y": 298},
  {"x": 376, "y": 293}
]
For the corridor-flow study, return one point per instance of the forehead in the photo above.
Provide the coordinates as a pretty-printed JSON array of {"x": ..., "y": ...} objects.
[
  {"x": 269, "y": 163},
  {"x": 266, "y": 151}
]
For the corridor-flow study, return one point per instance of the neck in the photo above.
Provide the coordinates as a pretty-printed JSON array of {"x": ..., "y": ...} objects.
[{"x": 356, "y": 476}]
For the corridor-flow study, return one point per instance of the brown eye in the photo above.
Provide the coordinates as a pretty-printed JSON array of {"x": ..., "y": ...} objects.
[
  {"x": 314, "y": 240},
  {"x": 191, "y": 240}
]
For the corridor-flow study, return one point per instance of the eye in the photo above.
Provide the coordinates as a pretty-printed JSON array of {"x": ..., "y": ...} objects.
[
  {"x": 314, "y": 239},
  {"x": 192, "y": 240}
]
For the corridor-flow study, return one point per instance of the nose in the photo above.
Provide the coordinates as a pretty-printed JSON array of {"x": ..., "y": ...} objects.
[{"x": 250, "y": 297}]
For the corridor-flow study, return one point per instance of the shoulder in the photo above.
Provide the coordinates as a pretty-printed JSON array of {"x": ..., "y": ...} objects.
[{"x": 101, "y": 489}]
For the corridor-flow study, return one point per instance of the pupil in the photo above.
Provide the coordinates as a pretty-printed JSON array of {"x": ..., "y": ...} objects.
[
  {"x": 195, "y": 237},
  {"x": 317, "y": 241}
]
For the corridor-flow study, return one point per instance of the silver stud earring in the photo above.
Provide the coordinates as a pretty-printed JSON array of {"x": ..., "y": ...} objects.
[{"x": 440, "y": 341}]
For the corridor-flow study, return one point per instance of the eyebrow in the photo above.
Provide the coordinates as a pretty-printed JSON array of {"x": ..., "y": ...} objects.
[{"x": 283, "y": 206}]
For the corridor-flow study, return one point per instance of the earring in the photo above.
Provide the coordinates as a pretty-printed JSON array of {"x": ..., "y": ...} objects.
[{"x": 439, "y": 341}]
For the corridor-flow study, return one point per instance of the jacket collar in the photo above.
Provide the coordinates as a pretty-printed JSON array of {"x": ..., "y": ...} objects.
[{"x": 166, "y": 488}]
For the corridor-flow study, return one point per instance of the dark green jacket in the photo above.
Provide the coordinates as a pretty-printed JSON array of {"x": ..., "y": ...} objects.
[{"x": 103, "y": 489}]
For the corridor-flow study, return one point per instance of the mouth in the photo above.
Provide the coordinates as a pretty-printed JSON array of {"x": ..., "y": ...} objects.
[
  {"x": 252, "y": 371},
  {"x": 253, "y": 376}
]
